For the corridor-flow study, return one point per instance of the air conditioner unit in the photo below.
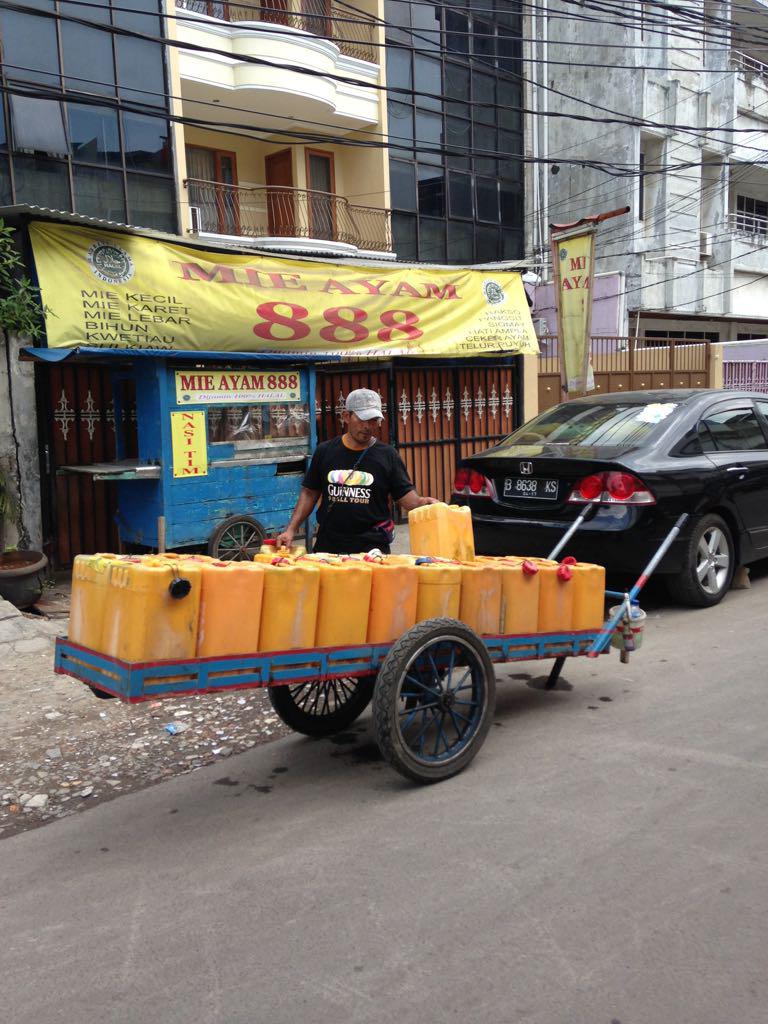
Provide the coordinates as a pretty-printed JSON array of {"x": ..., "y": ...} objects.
[
  {"x": 195, "y": 218},
  {"x": 705, "y": 244}
]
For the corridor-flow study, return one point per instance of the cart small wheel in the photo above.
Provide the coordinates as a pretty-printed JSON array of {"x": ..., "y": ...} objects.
[
  {"x": 237, "y": 539},
  {"x": 324, "y": 706},
  {"x": 434, "y": 700},
  {"x": 102, "y": 694}
]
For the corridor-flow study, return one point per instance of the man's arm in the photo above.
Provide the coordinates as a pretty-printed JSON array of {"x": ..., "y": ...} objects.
[
  {"x": 307, "y": 501},
  {"x": 414, "y": 500}
]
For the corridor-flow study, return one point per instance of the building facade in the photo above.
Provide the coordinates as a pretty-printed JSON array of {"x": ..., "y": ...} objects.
[
  {"x": 693, "y": 247},
  {"x": 456, "y": 132},
  {"x": 377, "y": 128},
  {"x": 63, "y": 143},
  {"x": 360, "y": 130},
  {"x": 291, "y": 110}
]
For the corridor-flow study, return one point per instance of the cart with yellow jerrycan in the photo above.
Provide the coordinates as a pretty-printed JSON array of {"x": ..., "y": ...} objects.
[{"x": 433, "y": 687}]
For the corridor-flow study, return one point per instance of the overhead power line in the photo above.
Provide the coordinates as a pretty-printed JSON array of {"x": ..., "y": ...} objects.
[{"x": 617, "y": 117}]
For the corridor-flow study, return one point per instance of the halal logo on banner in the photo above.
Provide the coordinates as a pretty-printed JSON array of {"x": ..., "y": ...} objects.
[
  {"x": 494, "y": 293},
  {"x": 110, "y": 263}
]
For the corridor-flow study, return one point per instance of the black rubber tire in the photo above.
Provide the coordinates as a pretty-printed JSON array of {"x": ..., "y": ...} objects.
[
  {"x": 291, "y": 700},
  {"x": 686, "y": 587},
  {"x": 391, "y": 677},
  {"x": 253, "y": 533}
]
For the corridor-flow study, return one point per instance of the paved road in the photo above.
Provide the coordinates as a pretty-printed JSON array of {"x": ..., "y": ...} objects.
[{"x": 603, "y": 860}]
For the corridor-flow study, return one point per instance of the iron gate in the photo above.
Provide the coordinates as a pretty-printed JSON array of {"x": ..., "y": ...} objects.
[
  {"x": 77, "y": 427},
  {"x": 434, "y": 414},
  {"x": 746, "y": 375}
]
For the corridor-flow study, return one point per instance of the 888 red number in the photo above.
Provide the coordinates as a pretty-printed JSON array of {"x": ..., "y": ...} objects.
[{"x": 345, "y": 325}]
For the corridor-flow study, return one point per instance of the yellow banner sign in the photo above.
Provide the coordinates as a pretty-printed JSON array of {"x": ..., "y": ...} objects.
[
  {"x": 189, "y": 443},
  {"x": 203, "y": 387},
  {"x": 573, "y": 260},
  {"x": 114, "y": 290}
]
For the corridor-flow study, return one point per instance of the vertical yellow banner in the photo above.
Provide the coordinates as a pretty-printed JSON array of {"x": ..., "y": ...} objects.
[
  {"x": 573, "y": 262},
  {"x": 190, "y": 444}
]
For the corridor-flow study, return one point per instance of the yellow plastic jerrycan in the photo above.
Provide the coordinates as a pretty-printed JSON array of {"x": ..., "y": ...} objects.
[
  {"x": 588, "y": 596},
  {"x": 345, "y": 597},
  {"x": 555, "y": 597},
  {"x": 269, "y": 548},
  {"x": 230, "y": 608},
  {"x": 90, "y": 579},
  {"x": 400, "y": 559},
  {"x": 268, "y": 557},
  {"x": 443, "y": 531},
  {"x": 439, "y": 591},
  {"x": 480, "y": 606},
  {"x": 520, "y": 587},
  {"x": 289, "y": 606},
  {"x": 152, "y": 610},
  {"x": 394, "y": 594}
]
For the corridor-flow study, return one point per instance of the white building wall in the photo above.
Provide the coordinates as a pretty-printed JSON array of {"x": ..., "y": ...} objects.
[{"x": 682, "y": 256}]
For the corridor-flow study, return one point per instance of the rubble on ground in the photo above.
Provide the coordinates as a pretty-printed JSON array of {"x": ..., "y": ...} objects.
[{"x": 62, "y": 749}]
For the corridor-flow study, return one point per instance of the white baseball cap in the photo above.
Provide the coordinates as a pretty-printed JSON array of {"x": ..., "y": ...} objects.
[{"x": 365, "y": 404}]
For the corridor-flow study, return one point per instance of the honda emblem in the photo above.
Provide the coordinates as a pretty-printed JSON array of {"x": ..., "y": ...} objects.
[{"x": 526, "y": 468}]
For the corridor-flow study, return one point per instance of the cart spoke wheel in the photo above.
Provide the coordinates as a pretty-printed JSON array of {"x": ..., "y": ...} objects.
[
  {"x": 237, "y": 539},
  {"x": 434, "y": 700},
  {"x": 321, "y": 707}
]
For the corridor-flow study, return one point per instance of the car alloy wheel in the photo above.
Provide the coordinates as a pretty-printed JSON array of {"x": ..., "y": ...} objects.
[
  {"x": 709, "y": 559},
  {"x": 713, "y": 561}
]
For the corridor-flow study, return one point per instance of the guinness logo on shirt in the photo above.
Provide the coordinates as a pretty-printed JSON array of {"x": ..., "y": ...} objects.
[{"x": 350, "y": 486}]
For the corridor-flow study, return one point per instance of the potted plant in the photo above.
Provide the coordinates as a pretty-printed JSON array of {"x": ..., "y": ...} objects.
[{"x": 21, "y": 572}]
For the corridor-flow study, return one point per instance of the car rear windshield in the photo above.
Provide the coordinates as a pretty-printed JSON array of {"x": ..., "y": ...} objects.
[{"x": 621, "y": 425}]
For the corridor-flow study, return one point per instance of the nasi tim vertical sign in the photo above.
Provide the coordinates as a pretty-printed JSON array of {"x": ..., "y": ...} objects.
[{"x": 189, "y": 444}]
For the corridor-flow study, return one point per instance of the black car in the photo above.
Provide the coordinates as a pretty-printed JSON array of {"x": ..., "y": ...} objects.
[{"x": 645, "y": 457}]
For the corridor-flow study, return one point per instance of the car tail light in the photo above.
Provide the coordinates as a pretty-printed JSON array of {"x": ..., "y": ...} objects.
[
  {"x": 612, "y": 488},
  {"x": 624, "y": 487},
  {"x": 461, "y": 481},
  {"x": 588, "y": 489},
  {"x": 469, "y": 481}
]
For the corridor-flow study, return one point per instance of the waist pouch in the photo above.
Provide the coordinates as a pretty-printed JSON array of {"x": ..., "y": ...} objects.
[{"x": 387, "y": 530}]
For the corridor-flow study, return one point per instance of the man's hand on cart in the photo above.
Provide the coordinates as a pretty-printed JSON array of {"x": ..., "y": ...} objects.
[
  {"x": 413, "y": 500},
  {"x": 285, "y": 539}
]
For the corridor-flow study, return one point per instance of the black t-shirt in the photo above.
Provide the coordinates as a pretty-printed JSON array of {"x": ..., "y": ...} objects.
[{"x": 355, "y": 500}]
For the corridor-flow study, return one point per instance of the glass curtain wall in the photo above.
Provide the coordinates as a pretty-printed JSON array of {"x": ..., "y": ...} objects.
[
  {"x": 76, "y": 152},
  {"x": 456, "y": 130}
]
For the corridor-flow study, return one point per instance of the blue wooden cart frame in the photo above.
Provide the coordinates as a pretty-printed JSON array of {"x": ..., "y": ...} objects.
[{"x": 134, "y": 682}]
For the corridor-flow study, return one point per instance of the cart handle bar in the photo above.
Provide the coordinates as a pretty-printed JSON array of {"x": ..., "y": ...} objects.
[
  {"x": 604, "y": 636},
  {"x": 575, "y": 525}
]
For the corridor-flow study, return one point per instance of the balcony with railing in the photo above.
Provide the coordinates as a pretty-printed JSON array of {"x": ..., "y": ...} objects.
[
  {"x": 749, "y": 246},
  {"x": 352, "y": 32},
  {"x": 278, "y": 60},
  {"x": 748, "y": 65},
  {"x": 271, "y": 212},
  {"x": 751, "y": 90},
  {"x": 752, "y": 226}
]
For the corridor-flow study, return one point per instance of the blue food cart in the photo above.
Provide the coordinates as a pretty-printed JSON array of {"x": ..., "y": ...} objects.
[{"x": 223, "y": 442}]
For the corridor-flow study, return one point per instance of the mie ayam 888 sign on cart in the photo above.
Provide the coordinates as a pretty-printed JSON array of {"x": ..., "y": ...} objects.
[{"x": 113, "y": 290}]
